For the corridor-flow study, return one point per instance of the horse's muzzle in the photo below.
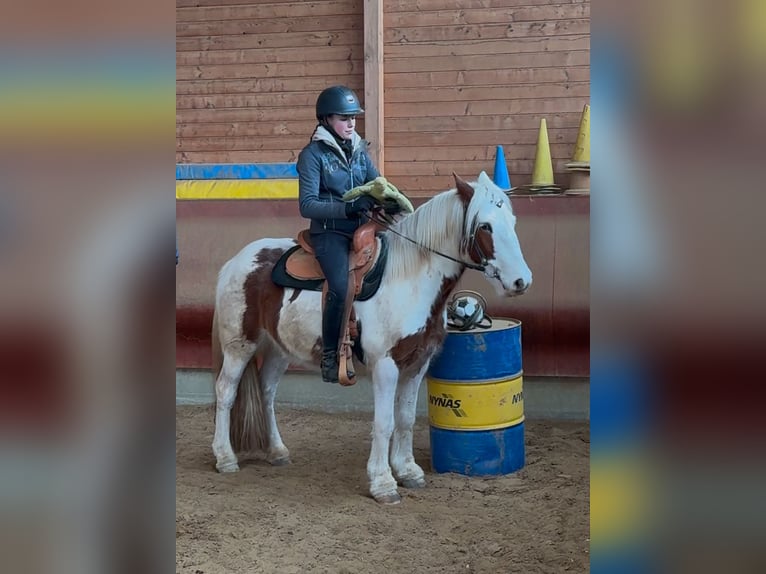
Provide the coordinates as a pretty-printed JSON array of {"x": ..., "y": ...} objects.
[{"x": 520, "y": 286}]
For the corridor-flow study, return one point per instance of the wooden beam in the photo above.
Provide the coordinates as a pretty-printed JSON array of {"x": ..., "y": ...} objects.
[{"x": 373, "y": 80}]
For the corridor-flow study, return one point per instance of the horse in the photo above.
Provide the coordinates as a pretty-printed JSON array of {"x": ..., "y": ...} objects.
[{"x": 402, "y": 326}]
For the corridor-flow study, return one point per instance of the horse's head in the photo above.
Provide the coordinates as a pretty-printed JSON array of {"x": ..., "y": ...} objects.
[{"x": 490, "y": 239}]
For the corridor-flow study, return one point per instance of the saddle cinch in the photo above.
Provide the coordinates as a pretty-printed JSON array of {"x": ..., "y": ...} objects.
[{"x": 298, "y": 268}]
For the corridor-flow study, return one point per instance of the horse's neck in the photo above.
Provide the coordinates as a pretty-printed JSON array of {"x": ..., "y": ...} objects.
[
  {"x": 427, "y": 242},
  {"x": 427, "y": 268}
]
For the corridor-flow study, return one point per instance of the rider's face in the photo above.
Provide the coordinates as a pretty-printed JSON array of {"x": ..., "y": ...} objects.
[{"x": 342, "y": 125}]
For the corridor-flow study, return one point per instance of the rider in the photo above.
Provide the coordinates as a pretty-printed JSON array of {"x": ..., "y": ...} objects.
[{"x": 332, "y": 163}]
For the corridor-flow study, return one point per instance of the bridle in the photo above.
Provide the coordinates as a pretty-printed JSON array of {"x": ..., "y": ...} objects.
[{"x": 470, "y": 242}]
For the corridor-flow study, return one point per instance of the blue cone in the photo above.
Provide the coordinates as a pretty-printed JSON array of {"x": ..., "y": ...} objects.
[{"x": 501, "y": 170}]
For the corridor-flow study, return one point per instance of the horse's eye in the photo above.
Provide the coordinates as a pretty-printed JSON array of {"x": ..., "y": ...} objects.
[{"x": 486, "y": 227}]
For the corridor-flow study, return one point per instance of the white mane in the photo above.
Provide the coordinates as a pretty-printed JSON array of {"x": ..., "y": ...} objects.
[{"x": 438, "y": 224}]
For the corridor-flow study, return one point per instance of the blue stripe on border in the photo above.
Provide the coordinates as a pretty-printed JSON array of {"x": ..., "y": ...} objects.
[{"x": 236, "y": 171}]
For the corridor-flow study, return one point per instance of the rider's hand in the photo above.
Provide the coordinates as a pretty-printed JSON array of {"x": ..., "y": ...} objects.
[
  {"x": 355, "y": 208},
  {"x": 391, "y": 207}
]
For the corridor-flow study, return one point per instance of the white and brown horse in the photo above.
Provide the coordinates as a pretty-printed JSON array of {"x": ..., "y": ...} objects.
[{"x": 402, "y": 326}]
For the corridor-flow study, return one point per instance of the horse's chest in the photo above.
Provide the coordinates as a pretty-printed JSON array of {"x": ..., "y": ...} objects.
[{"x": 410, "y": 352}]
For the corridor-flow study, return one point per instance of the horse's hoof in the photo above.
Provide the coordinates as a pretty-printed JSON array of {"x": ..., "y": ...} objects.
[
  {"x": 281, "y": 461},
  {"x": 388, "y": 499},
  {"x": 413, "y": 482},
  {"x": 227, "y": 467}
]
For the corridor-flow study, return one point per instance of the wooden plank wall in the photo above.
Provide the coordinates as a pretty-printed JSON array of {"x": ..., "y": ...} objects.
[
  {"x": 248, "y": 73},
  {"x": 462, "y": 76}
]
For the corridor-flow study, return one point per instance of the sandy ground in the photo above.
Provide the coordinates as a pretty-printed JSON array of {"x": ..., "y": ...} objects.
[{"x": 315, "y": 515}]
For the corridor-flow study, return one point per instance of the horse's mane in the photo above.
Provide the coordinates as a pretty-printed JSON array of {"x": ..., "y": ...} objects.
[{"x": 437, "y": 224}]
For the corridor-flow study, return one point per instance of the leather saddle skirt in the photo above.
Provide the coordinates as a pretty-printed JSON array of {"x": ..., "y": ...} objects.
[{"x": 298, "y": 268}]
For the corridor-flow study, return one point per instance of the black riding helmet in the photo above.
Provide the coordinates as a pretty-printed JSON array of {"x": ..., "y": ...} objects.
[{"x": 338, "y": 100}]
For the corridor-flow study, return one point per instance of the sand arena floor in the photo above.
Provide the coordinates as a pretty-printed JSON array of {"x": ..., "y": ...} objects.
[{"x": 315, "y": 515}]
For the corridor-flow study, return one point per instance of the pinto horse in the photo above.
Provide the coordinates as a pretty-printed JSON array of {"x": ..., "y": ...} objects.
[{"x": 402, "y": 326}]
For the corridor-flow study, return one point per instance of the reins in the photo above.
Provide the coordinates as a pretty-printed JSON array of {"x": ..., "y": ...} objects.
[{"x": 386, "y": 225}]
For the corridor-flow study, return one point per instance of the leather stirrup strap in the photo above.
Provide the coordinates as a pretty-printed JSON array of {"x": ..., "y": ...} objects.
[{"x": 345, "y": 362}]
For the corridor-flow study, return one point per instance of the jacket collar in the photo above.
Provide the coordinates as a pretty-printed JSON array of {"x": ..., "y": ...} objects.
[{"x": 323, "y": 135}]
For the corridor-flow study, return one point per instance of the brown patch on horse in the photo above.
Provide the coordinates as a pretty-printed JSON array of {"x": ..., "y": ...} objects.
[
  {"x": 411, "y": 352},
  {"x": 482, "y": 240},
  {"x": 464, "y": 190},
  {"x": 263, "y": 299},
  {"x": 483, "y": 244}
]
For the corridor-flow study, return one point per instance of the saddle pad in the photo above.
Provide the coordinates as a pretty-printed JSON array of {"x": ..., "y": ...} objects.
[{"x": 281, "y": 277}]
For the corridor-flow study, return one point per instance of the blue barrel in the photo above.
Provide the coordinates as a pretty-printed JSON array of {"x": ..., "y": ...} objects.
[{"x": 476, "y": 401}]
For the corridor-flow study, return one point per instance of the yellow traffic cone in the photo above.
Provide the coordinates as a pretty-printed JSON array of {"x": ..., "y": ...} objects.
[
  {"x": 581, "y": 155},
  {"x": 542, "y": 173}
]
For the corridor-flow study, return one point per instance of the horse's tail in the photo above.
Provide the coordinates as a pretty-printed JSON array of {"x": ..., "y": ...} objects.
[
  {"x": 247, "y": 420},
  {"x": 248, "y": 431},
  {"x": 247, "y": 428}
]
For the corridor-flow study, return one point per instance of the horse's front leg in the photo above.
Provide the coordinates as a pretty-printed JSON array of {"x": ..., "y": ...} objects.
[
  {"x": 407, "y": 472},
  {"x": 382, "y": 484}
]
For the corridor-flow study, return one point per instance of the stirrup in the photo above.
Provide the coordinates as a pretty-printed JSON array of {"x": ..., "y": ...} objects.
[{"x": 346, "y": 373}]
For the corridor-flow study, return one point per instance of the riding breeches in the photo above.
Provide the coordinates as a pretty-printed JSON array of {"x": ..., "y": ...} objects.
[{"x": 331, "y": 251}]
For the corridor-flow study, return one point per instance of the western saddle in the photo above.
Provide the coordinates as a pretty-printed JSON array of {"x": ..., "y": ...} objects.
[{"x": 302, "y": 264}]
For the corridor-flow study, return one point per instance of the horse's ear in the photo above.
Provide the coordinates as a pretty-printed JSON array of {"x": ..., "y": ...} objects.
[
  {"x": 486, "y": 181},
  {"x": 464, "y": 189}
]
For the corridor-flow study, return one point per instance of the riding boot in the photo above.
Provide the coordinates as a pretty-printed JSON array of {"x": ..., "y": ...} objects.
[
  {"x": 331, "y": 327},
  {"x": 332, "y": 319},
  {"x": 330, "y": 366}
]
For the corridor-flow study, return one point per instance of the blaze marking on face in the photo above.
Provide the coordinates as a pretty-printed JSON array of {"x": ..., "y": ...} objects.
[
  {"x": 412, "y": 351},
  {"x": 263, "y": 299}
]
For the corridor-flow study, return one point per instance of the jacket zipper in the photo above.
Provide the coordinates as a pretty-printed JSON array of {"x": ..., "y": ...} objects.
[{"x": 350, "y": 173}]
